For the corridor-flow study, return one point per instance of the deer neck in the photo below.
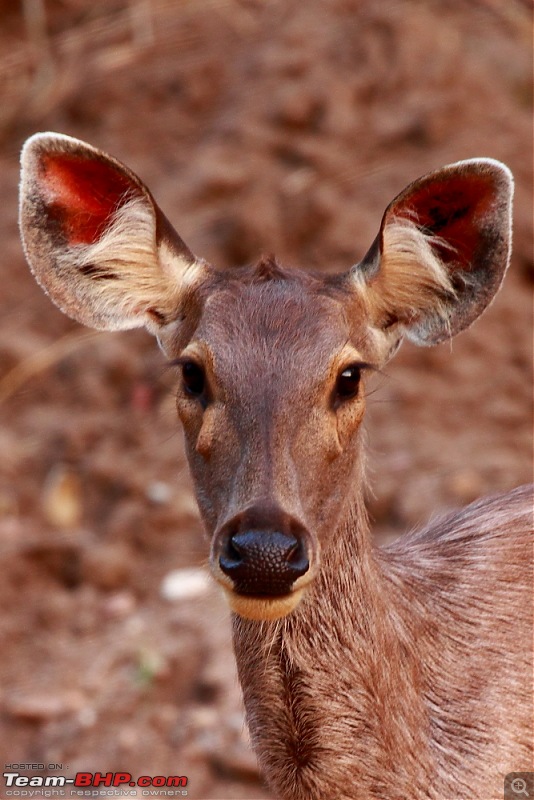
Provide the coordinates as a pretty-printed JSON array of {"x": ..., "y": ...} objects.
[{"x": 337, "y": 676}]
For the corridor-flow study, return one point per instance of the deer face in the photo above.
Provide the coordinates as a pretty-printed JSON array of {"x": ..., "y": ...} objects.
[
  {"x": 271, "y": 399},
  {"x": 272, "y": 363}
]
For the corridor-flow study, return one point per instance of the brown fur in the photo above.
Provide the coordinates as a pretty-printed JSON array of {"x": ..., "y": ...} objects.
[
  {"x": 407, "y": 671},
  {"x": 401, "y": 673}
]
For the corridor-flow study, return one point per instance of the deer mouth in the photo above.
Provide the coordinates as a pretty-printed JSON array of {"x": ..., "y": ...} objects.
[{"x": 262, "y": 606}]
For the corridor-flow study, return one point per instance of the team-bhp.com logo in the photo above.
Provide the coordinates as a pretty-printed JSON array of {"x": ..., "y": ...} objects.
[{"x": 94, "y": 784}]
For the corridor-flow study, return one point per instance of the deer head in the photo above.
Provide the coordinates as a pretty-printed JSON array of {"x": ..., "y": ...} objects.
[{"x": 272, "y": 362}]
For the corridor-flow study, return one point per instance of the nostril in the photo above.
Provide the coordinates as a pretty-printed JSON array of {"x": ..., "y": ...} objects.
[
  {"x": 233, "y": 552},
  {"x": 291, "y": 551},
  {"x": 263, "y": 562}
]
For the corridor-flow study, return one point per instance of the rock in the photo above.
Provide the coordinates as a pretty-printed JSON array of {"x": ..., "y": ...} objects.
[
  {"x": 159, "y": 492},
  {"x": 62, "y": 498},
  {"x": 45, "y": 705},
  {"x": 183, "y": 584},
  {"x": 466, "y": 485},
  {"x": 119, "y": 605}
]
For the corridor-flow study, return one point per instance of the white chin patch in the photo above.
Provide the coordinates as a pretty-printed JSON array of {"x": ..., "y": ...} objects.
[{"x": 263, "y": 608}]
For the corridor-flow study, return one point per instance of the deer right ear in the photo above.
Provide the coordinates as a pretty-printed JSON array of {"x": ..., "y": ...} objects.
[
  {"x": 441, "y": 253},
  {"x": 95, "y": 239}
]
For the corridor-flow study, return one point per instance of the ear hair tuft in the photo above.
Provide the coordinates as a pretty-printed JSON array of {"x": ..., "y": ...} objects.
[
  {"x": 412, "y": 278},
  {"x": 125, "y": 254}
]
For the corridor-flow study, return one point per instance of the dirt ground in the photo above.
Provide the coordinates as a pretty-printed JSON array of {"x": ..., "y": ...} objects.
[{"x": 280, "y": 127}]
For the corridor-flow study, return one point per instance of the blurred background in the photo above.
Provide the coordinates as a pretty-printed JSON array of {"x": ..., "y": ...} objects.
[{"x": 276, "y": 126}]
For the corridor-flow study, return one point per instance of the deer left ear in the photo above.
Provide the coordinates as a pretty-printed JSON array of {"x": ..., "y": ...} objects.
[
  {"x": 96, "y": 240},
  {"x": 441, "y": 252}
]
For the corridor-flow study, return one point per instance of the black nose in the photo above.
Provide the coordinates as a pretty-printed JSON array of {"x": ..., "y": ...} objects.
[{"x": 263, "y": 562}]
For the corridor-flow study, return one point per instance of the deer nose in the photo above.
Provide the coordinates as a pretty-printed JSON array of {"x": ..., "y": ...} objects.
[{"x": 263, "y": 562}]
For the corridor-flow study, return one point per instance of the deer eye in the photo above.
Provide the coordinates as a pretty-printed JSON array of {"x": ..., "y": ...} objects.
[
  {"x": 348, "y": 382},
  {"x": 193, "y": 378}
]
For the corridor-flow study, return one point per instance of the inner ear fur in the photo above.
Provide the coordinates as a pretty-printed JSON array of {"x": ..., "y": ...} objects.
[
  {"x": 95, "y": 238},
  {"x": 441, "y": 253}
]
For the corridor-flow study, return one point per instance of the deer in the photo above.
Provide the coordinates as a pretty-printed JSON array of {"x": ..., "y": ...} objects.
[{"x": 396, "y": 672}]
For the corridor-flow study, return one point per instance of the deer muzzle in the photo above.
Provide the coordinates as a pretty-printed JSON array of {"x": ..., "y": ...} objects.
[{"x": 262, "y": 558}]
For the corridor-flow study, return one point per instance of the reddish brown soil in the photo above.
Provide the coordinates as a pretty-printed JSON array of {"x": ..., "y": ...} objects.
[{"x": 280, "y": 126}]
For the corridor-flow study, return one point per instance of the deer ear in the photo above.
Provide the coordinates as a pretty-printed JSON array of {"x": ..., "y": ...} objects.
[
  {"x": 95, "y": 239},
  {"x": 441, "y": 253}
]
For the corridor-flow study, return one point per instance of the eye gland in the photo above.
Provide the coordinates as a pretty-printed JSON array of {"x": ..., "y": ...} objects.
[
  {"x": 193, "y": 378},
  {"x": 348, "y": 383}
]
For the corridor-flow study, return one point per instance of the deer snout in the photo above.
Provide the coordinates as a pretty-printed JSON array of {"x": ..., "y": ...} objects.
[
  {"x": 263, "y": 560},
  {"x": 263, "y": 563}
]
